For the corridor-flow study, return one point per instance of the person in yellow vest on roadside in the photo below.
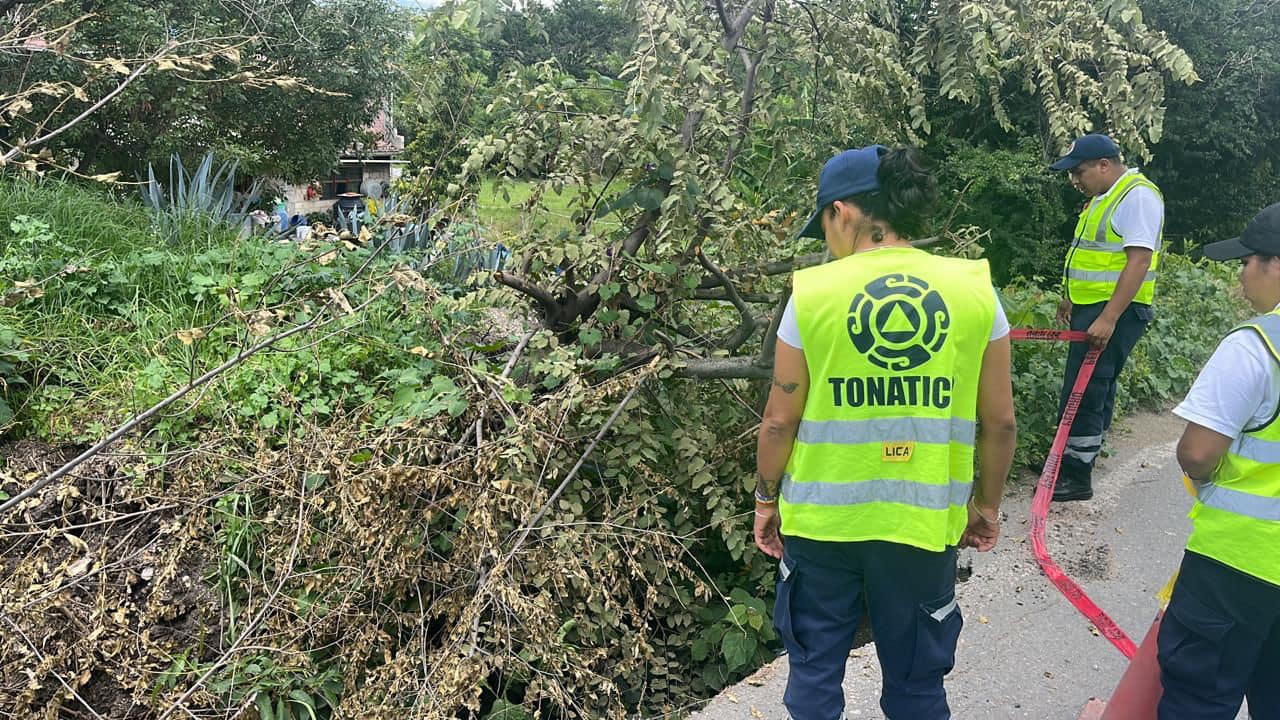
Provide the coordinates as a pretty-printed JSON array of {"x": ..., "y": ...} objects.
[
  {"x": 891, "y": 377},
  {"x": 1109, "y": 283},
  {"x": 1220, "y": 638}
]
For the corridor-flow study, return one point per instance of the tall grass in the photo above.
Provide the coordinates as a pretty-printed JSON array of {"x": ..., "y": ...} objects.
[
  {"x": 101, "y": 336},
  {"x": 107, "y": 335}
]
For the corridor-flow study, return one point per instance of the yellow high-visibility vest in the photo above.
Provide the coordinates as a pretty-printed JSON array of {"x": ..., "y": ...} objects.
[
  {"x": 1237, "y": 513},
  {"x": 894, "y": 340},
  {"x": 1097, "y": 254}
]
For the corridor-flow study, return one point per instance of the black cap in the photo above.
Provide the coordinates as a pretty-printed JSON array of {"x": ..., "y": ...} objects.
[
  {"x": 1260, "y": 236},
  {"x": 850, "y": 173},
  {"x": 1087, "y": 147}
]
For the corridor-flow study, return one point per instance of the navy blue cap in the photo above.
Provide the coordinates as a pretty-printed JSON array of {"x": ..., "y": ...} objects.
[
  {"x": 1260, "y": 236},
  {"x": 850, "y": 173},
  {"x": 1087, "y": 147}
]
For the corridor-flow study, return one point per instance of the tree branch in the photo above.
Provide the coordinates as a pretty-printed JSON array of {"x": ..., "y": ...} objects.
[
  {"x": 739, "y": 26},
  {"x": 734, "y": 367},
  {"x": 744, "y": 115},
  {"x": 720, "y": 294},
  {"x": 769, "y": 344},
  {"x": 23, "y": 147},
  {"x": 316, "y": 320},
  {"x": 688, "y": 129},
  {"x": 776, "y": 267},
  {"x": 523, "y": 533},
  {"x": 6, "y": 6},
  {"x": 747, "y": 108},
  {"x": 636, "y": 238},
  {"x": 550, "y": 307},
  {"x": 40, "y": 656},
  {"x": 748, "y": 324},
  {"x": 724, "y": 17},
  {"x": 588, "y": 300},
  {"x": 798, "y": 262}
]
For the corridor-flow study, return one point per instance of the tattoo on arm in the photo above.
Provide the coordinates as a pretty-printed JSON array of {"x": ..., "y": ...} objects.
[{"x": 787, "y": 388}]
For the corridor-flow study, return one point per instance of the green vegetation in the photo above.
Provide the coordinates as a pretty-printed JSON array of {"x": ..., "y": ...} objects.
[
  {"x": 452, "y": 493},
  {"x": 498, "y": 207},
  {"x": 330, "y": 512},
  {"x": 116, "y": 318},
  {"x": 281, "y": 86},
  {"x": 1162, "y": 366},
  {"x": 501, "y": 208}
]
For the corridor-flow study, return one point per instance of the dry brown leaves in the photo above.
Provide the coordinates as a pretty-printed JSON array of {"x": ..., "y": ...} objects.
[{"x": 389, "y": 555}]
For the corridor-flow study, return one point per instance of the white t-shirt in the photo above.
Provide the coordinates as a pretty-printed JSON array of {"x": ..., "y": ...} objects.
[
  {"x": 1237, "y": 390},
  {"x": 1138, "y": 217},
  {"x": 789, "y": 329}
]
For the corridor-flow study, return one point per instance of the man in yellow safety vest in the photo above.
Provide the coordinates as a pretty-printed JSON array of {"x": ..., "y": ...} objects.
[{"x": 1109, "y": 283}]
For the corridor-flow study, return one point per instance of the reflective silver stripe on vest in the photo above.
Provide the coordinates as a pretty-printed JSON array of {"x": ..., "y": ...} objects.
[
  {"x": 1234, "y": 501},
  {"x": 1103, "y": 275},
  {"x": 1109, "y": 246},
  {"x": 1100, "y": 243},
  {"x": 1105, "y": 223},
  {"x": 941, "y": 613},
  {"x": 1250, "y": 447},
  {"x": 1101, "y": 233},
  {"x": 1257, "y": 449},
  {"x": 1269, "y": 324},
  {"x": 903, "y": 492},
  {"x": 1101, "y": 246},
  {"x": 852, "y": 432}
]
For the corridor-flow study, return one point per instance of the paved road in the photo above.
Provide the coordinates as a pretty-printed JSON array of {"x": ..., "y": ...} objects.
[{"x": 1025, "y": 652}]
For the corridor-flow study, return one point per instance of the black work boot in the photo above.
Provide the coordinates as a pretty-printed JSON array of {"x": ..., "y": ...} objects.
[{"x": 1070, "y": 488}]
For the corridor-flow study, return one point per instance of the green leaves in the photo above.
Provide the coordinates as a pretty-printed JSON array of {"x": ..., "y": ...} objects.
[
  {"x": 505, "y": 710},
  {"x": 13, "y": 357},
  {"x": 345, "y": 66},
  {"x": 418, "y": 399},
  {"x": 738, "y": 649},
  {"x": 301, "y": 698},
  {"x": 279, "y": 692},
  {"x": 741, "y": 636}
]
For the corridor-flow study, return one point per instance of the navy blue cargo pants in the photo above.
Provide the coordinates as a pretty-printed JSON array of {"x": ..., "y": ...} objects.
[
  {"x": 910, "y": 596},
  {"x": 1093, "y": 419},
  {"x": 1219, "y": 642}
]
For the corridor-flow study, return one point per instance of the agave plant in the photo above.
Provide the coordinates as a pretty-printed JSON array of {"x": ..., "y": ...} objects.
[
  {"x": 449, "y": 252},
  {"x": 205, "y": 195},
  {"x": 403, "y": 227},
  {"x": 460, "y": 250}
]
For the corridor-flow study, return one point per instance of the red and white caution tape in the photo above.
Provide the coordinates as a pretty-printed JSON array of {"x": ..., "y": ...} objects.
[{"x": 1044, "y": 494}]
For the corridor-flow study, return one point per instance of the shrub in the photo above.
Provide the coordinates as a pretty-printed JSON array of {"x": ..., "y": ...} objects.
[
  {"x": 204, "y": 197},
  {"x": 1010, "y": 193},
  {"x": 1196, "y": 304}
]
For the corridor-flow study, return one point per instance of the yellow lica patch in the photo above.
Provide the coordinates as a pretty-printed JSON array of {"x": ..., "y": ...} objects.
[{"x": 897, "y": 452}]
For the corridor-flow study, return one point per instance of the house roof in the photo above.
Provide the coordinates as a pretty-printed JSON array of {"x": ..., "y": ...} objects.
[
  {"x": 384, "y": 129},
  {"x": 387, "y": 143}
]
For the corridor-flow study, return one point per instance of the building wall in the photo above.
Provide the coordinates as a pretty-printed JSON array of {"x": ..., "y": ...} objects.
[{"x": 370, "y": 184}]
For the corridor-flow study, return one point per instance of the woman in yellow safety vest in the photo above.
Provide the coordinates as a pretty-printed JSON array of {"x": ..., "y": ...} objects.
[
  {"x": 1219, "y": 641},
  {"x": 891, "y": 377}
]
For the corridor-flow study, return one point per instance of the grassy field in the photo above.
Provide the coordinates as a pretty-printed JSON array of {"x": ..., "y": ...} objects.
[{"x": 506, "y": 214}]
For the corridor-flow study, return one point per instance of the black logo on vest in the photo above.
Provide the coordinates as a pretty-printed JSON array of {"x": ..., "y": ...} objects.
[{"x": 898, "y": 322}]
